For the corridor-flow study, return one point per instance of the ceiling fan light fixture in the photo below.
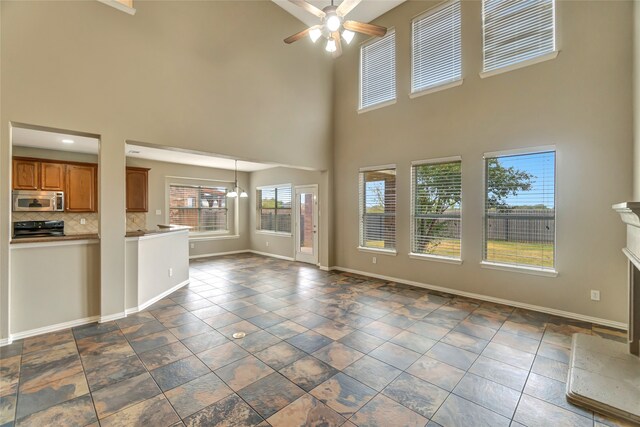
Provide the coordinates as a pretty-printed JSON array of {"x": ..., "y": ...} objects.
[
  {"x": 348, "y": 36},
  {"x": 315, "y": 34},
  {"x": 333, "y": 23},
  {"x": 331, "y": 45}
]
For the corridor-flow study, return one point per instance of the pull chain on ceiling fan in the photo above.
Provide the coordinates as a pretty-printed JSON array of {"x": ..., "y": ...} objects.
[{"x": 333, "y": 26}]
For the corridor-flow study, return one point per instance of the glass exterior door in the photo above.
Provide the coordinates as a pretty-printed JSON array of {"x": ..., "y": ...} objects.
[{"x": 307, "y": 224}]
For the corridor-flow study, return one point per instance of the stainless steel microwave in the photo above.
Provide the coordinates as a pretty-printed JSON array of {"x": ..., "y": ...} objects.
[{"x": 38, "y": 201}]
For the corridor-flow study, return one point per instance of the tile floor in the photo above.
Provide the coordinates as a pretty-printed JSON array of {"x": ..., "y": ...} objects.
[{"x": 321, "y": 349}]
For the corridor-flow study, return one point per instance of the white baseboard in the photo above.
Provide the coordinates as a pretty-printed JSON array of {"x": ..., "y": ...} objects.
[
  {"x": 111, "y": 317},
  {"x": 5, "y": 341},
  {"x": 52, "y": 328},
  {"x": 162, "y": 295},
  {"x": 561, "y": 313},
  {"x": 286, "y": 258},
  {"x": 242, "y": 251}
]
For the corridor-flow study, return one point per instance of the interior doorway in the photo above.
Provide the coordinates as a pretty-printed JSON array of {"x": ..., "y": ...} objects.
[{"x": 306, "y": 231}]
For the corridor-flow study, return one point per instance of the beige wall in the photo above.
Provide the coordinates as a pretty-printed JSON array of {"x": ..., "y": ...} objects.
[
  {"x": 176, "y": 71},
  {"x": 580, "y": 101},
  {"x": 40, "y": 153},
  {"x": 636, "y": 100}
]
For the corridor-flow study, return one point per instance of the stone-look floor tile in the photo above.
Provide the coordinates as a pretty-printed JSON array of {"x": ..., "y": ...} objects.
[
  {"x": 453, "y": 356},
  {"x": 11, "y": 350},
  {"x": 343, "y": 394},
  {"x": 230, "y": 411},
  {"x": 438, "y": 373},
  {"x": 337, "y": 355},
  {"x": 7, "y": 409},
  {"x": 372, "y": 372},
  {"x": 119, "y": 396},
  {"x": 280, "y": 355},
  {"x": 306, "y": 411},
  {"x": 550, "y": 368},
  {"x": 9, "y": 375},
  {"x": 161, "y": 356},
  {"x": 416, "y": 394},
  {"x": 381, "y": 330},
  {"x": 143, "y": 329},
  {"x": 334, "y": 330},
  {"x": 241, "y": 326},
  {"x": 554, "y": 352},
  {"x": 243, "y": 372},
  {"x": 456, "y": 411},
  {"x": 308, "y": 372},
  {"x": 178, "y": 320},
  {"x": 222, "y": 355},
  {"x": 135, "y": 319},
  {"x": 207, "y": 312},
  {"x": 190, "y": 329},
  {"x": 440, "y": 319},
  {"x": 429, "y": 330},
  {"x": 165, "y": 312},
  {"x": 362, "y": 341},
  {"x": 197, "y": 305},
  {"x": 257, "y": 341},
  {"x": 114, "y": 372},
  {"x": 46, "y": 341},
  {"x": 395, "y": 355},
  {"x": 151, "y": 341},
  {"x": 551, "y": 391},
  {"x": 414, "y": 342},
  {"x": 206, "y": 341},
  {"x": 517, "y": 342},
  {"x": 523, "y": 329},
  {"x": 43, "y": 396},
  {"x": 270, "y": 394},
  {"x": 44, "y": 366},
  {"x": 266, "y": 320},
  {"x": 221, "y": 320},
  {"x": 535, "y": 412},
  {"x": 518, "y": 358},
  {"x": 383, "y": 412},
  {"x": 290, "y": 312},
  {"x": 465, "y": 342},
  {"x": 478, "y": 331},
  {"x": 601, "y": 420},
  {"x": 180, "y": 372},
  {"x": 309, "y": 341},
  {"x": 489, "y": 394},
  {"x": 249, "y": 312},
  {"x": 197, "y": 394},
  {"x": 92, "y": 329},
  {"x": 286, "y": 329},
  {"x": 155, "y": 412},
  {"x": 499, "y": 372},
  {"x": 76, "y": 412}
]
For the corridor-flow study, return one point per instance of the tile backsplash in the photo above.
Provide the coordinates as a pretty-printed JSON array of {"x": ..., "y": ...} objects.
[
  {"x": 136, "y": 221},
  {"x": 71, "y": 220}
]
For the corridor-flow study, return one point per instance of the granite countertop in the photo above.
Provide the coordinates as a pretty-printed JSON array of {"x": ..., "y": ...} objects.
[
  {"x": 160, "y": 230},
  {"x": 55, "y": 238}
]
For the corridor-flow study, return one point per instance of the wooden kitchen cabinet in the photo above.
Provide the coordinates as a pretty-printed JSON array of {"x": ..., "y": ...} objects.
[
  {"x": 52, "y": 176},
  {"x": 137, "y": 189},
  {"x": 26, "y": 174},
  {"x": 81, "y": 192}
]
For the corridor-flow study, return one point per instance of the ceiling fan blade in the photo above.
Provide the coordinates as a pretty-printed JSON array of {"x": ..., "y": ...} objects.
[
  {"x": 346, "y": 6},
  {"x": 369, "y": 29},
  {"x": 309, "y": 8},
  {"x": 336, "y": 37},
  {"x": 298, "y": 36}
]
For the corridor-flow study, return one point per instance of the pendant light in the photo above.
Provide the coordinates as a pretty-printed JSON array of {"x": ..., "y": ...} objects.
[{"x": 234, "y": 191}]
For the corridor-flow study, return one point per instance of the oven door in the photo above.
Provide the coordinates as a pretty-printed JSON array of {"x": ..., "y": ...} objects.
[{"x": 35, "y": 201}]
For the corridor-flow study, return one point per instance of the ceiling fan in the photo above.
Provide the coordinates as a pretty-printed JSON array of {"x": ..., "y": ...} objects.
[{"x": 333, "y": 25}]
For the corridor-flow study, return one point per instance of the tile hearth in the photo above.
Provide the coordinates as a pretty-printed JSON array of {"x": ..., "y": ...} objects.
[{"x": 321, "y": 349}]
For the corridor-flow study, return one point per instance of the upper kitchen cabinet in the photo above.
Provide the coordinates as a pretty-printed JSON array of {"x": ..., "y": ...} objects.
[
  {"x": 81, "y": 188},
  {"x": 26, "y": 174},
  {"x": 137, "y": 189},
  {"x": 52, "y": 176}
]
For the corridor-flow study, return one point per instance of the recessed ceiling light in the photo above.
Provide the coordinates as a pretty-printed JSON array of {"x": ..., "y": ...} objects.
[{"x": 68, "y": 141}]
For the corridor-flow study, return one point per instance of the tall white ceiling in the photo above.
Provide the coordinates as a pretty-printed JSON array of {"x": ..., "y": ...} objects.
[
  {"x": 366, "y": 11},
  {"x": 53, "y": 141}
]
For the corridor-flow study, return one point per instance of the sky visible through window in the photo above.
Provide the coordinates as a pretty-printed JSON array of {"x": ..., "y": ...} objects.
[{"x": 541, "y": 167}]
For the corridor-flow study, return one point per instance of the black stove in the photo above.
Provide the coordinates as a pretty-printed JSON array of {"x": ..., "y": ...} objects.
[{"x": 22, "y": 229}]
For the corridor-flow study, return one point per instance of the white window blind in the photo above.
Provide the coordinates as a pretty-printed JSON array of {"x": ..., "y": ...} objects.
[
  {"x": 274, "y": 208},
  {"x": 203, "y": 208},
  {"x": 378, "y": 209},
  {"x": 436, "y": 58},
  {"x": 519, "y": 223},
  {"x": 436, "y": 214},
  {"x": 378, "y": 71},
  {"x": 517, "y": 31}
]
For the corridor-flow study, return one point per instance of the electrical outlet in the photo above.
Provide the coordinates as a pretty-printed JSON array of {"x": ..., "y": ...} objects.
[
  {"x": 374, "y": 260},
  {"x": 158, "y": 212},
  {"x": 267, "y": 244},
  {"x": 595, "y": 295},
  {"x": 192, "y": 245},
  {"x": 170, "y": 272},
  {"x": 83, "y": 221}
]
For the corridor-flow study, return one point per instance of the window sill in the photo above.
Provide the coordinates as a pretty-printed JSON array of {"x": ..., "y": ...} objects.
[
  {"x": 506, "y": 69},
  {"x": 436, "y": 258},
  {"x": 390, "y": 252},
  {"x": 274, "y": 233},
  {"x": 376, "y": 106},
  {"x": 520, "y": 269},
  {"x": 202, "y": 237},
  {"x": 437, "y": 88}
]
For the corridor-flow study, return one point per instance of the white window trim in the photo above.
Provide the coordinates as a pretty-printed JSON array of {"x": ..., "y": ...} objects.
[
  {"x": 276, "y": 233},
  {"x": 543, "y": 58},
  {"x": 203, "y": 235},
  {"x": 392, "y": 252},
  {"x": 200, "y": 237},
  {"x": 436, "y": 88},
  {"x": 537, "y": 271},
  {"x": 451, "y": 260},
  {"x": 361, "y": 109}
]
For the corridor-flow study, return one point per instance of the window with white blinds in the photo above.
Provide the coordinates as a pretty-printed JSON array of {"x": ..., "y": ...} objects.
[
  {"x": 435, "y": 56},
  {"x": 516, "y": 31},
  {"x": 520, "y": 216},
  {"x": 378, "y": 71},
  {"x": 378, "y": 208},
  {"x": 436, "y": 219},
  {"x": 274, "y": 208},
  {"x": 202, "y": 208}
]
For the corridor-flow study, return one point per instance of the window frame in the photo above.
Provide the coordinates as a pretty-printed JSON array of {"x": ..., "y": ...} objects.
[
  {"x": 258, "y": 228},
  {"x": 527, "y": 62},
  {"x": 430, "y": 257},
  {"x": 361, "y": 204},
  {"x": 533, "y": 270},
  {"x": 413, "y": 93},
  {"x": 370, "y": 41},
  {"x": 195, "y": 234}
]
